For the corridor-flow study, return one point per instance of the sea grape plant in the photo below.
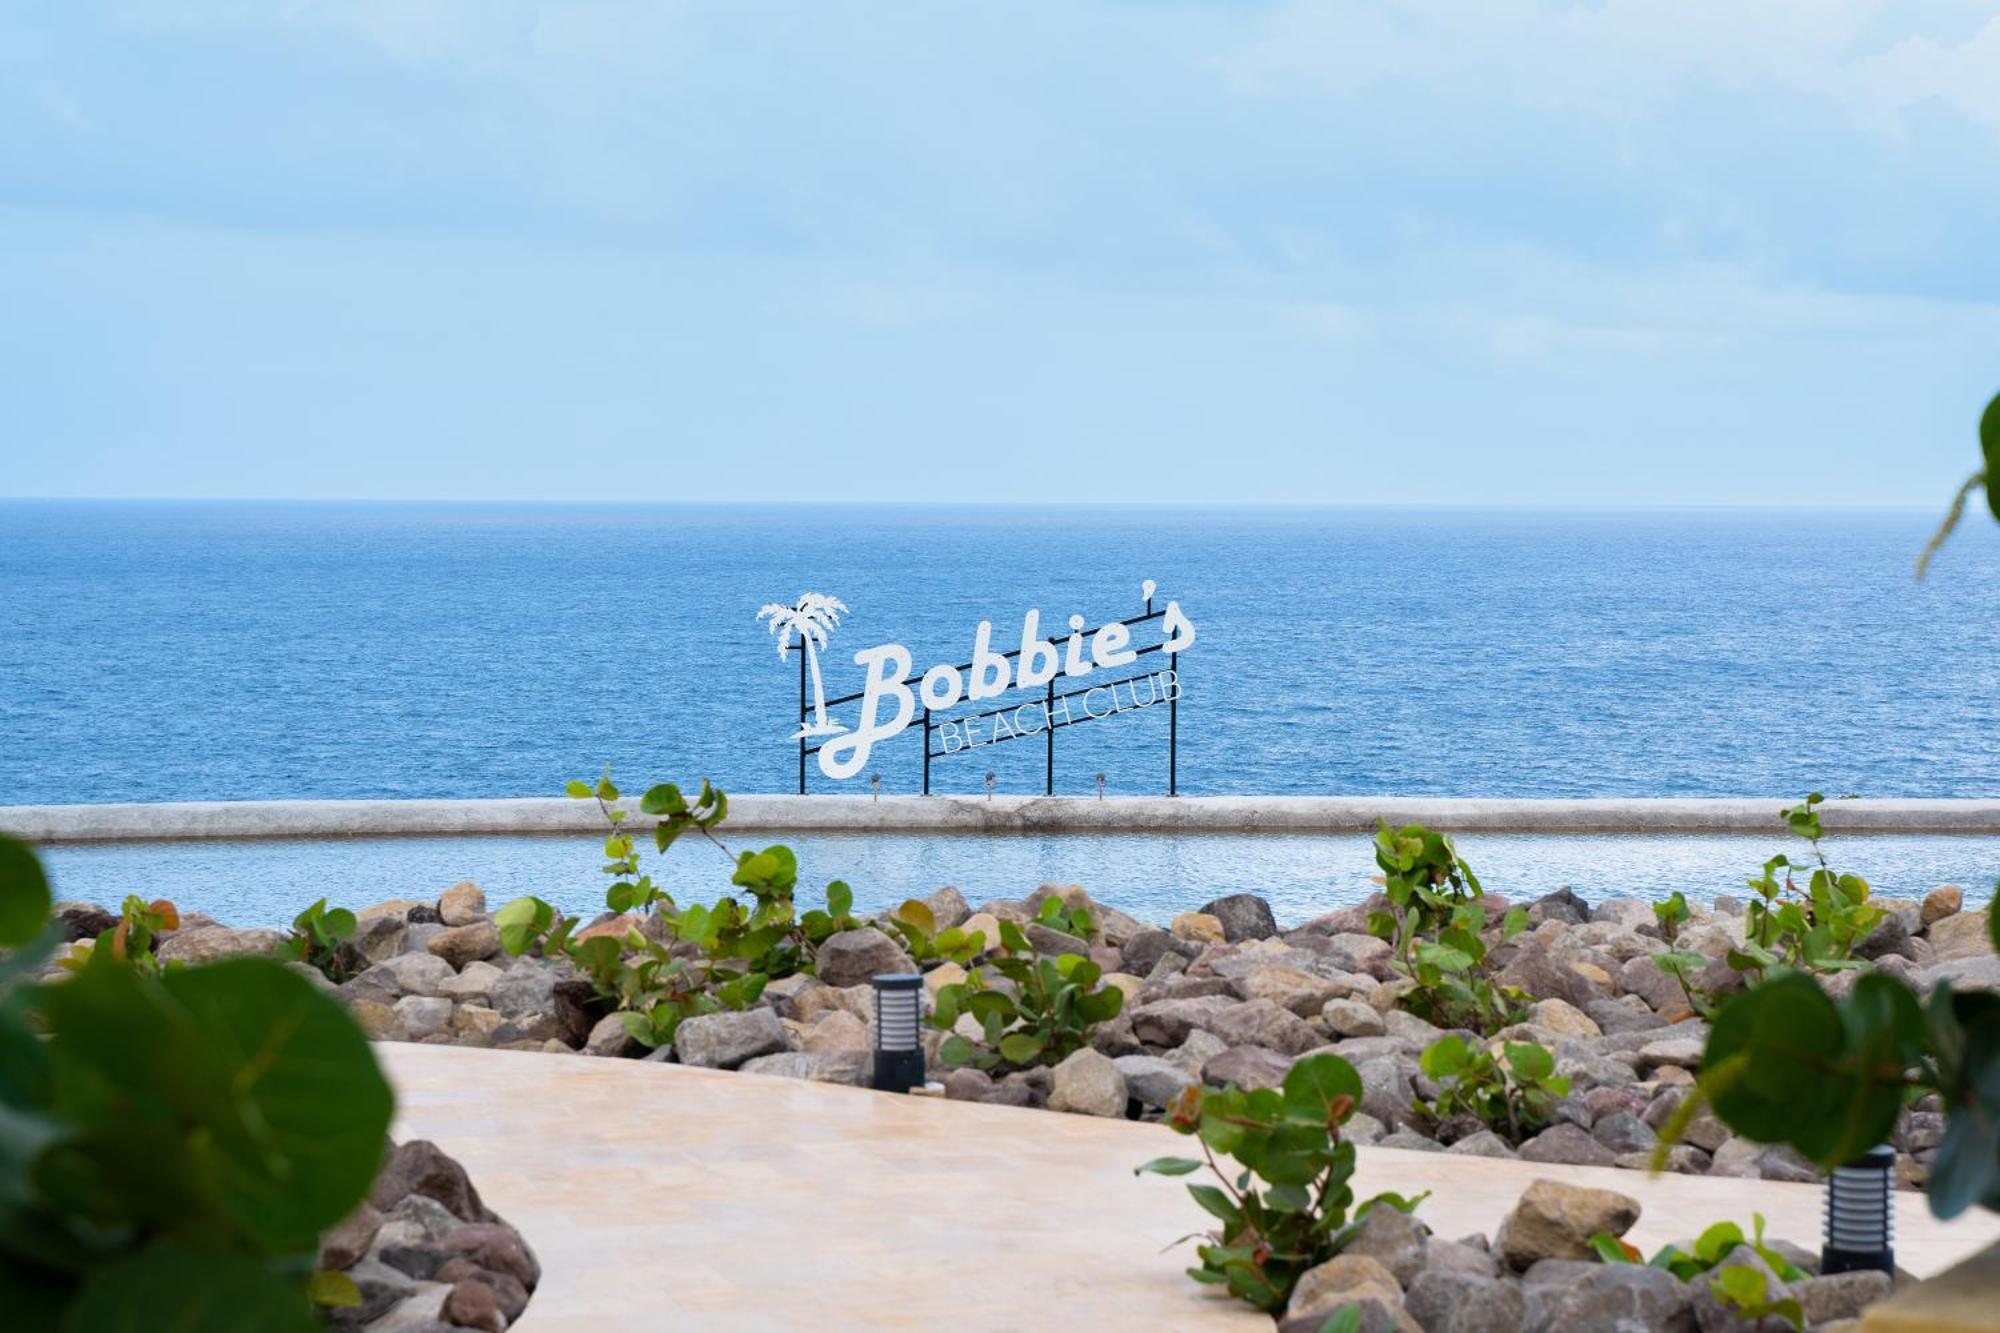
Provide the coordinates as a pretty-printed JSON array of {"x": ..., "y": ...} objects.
[
  {"x": 1056, "y": 915},
  {"x": 1044, "y": 1013},
  {"x": 915, "y": 925},
  {"x": 1513, "y": 1093},
  {"x": 1289, "y": 1205},
  {"x": 132, "y": 939},
  {"x": 316, "y": 939},
  {"x": 1435, "y": 929},
  {"x": 1816, "y": 927},
  {"x": 1671, "y": 913},
  {"x": 175, "y": 1140},
  {"x": 1742, "y": 1289}
]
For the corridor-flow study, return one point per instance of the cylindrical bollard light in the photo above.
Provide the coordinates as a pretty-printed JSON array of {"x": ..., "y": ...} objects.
[
  {"x": 899, "y": 1046},
  {"x": 1860, "y": 1215}
]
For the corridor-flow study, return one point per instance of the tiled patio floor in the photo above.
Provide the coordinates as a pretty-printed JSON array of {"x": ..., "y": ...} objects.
[{"x": 662, "y": 1197}]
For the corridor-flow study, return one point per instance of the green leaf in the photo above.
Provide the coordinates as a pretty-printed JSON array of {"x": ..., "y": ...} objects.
[
  {"x": 577, "y": 789},
  {"x": 1314, "y": 1086},
  {"x": 1020, "y": 1049},
  {"x": 1714, "y": 1244},
  {"x": 1347, "y": 1319},
  {"x": 1217, "y": 1203},
  {"x": 1530, "y": 1063},
  {"x": 1168, "y": 1166},
  {"x": 1612, "y": 1250},
  {"x": 330, "y": 1288},
  {"x": 1445, "y": 1057},
  {"x": 24, "y": 894},
  {"x": 664, "y": 799},
  {"x": 1989, "y": 449},
  {"x": 839, "y": 899},
  {"x": 169, "y": 1286},
  {"x": 955, "y": 1050}
]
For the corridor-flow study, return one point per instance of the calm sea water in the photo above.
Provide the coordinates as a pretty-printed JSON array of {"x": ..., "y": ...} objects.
[{"x": 163, "y": 651}]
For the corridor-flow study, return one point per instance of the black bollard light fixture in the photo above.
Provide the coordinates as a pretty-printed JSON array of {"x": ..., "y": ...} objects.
[
  {"x": 1860, "y": 1215},
  {"x": 899, "y": 1046}
]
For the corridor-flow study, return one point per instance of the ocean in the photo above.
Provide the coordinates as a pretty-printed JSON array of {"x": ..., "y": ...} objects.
[{"x": 160, "y": 651}]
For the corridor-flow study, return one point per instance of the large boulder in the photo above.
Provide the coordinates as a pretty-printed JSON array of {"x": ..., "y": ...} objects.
[
  {"x": 1088, "y": 1083},
  {"x": 1144, "y": 950},
  {"x": 1393, "y": 1238},
  {"x": 1962, "y": 935},
  {"x": 1304, "y": 993},
  {"x": 948, "y": 908},
  {"x": 206, "y": 944},
  {"x": 1263, "y": 1023},
  {"x": 1168, "y": 1022},
  {"x": 724, "y": 1041},
  {"x": 462, "y": 904},
  {"x": 1553, "y": 1220},
  {"x": 1342, "y": 1280},
  {"x": 1940, "y": 903},
  {"x": 1244, "y": 916},
  {"x": 460, "y": 945},
  {"x": 1619, "y": 1298},
  {"x": 404, "y": 974},
  {"x": 856, "y": 957},
  {"x": 419, "y": 1166}
]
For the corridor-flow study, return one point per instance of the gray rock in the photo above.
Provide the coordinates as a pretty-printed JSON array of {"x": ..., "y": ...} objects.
[
  {"x": 1448, "y": 1302},
  {"x": 1839, "y": 1295},
  {"x": 1624, "y": 1132},
  {"x": 1484, "y": 1143},
  {"x": 975, "y": 1085},
  {"x": 1624, "y": 1013},
  {"x": 1563, "y": 905},
  {"x": 404, "y": 974},
  {"x": 854, "y": 1068},
  {"x": 1151, "y": 1080},
  {"x": 379, "y": 937},
  {"x": 1146, "y": 948},
  {"x": 1168, "y": 1022},
  {"x": 948, "y": 908},
  {"x": 206, "y": 944},
  {"x": 1712, "y": 1314},
  {"x": 609, "y": 1038},
  {"x": 1244, "y": 916},
  {"x": 1263, "y": 1023},
  {"x": 1619, "y": 1298},
  {"x": 1352, "y": 1018},
  {"x": 1393, "y": 1238},
  {"x": 1088, "y": 1083},
  {"x": 856, "y": 957},
  {"x": 474, "y": 983},
  {"x": 724, "y": 1041},
  {"x": 1891, "y": 936},
  {"x": 1192, "y": 1054},
  {"x": 420, "y": 1016},
  {"x": 1409, "y": 1141},
  {"x": 1457, "y": 1256},
  {"x": 1385, "y": 1090},
  {"x": 526, "y": 988},
  {"x": 1567, "y": 1145},
  {"x": 1248, "y": 1067},
  {"x": 343, "y": 1245}
]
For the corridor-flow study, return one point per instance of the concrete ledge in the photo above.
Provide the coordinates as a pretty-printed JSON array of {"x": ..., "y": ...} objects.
[{"x": 1001, "y": 814}]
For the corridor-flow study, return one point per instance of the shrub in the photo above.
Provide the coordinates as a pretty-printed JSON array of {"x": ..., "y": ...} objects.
[
  {"x": 1672, "y": 913},
  {"x": 176, "y": 1145},
  {"x": 317, "y": 936},
  {"x": 916, "y": 926},
  {"x": 1814, "y": 928},
  {"x": 1289, "y": 1207},
  {"x": 1436, "y": 929},
  {"x": 1513, "y": 1094},
  {"x": 1745, "y": 1290},
  {"x": 131, "y": 940},
  {"x": 1043, "y": 1016}
]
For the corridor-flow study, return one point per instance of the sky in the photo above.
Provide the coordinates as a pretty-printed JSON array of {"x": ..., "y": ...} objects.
[{"x": 1389, "y": 251}]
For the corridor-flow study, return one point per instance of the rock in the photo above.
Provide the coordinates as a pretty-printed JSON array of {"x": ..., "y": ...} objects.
[
  {"x": 525, "y": 988},
  {"x": 420, "y": 1016},
  {"x": 1620, "y": 1298},
  {"x": 472, "y": 1304},
  {"x": 461, "y": 945},
  {"x": 818, "y": 1000},
  {"x": 379, "y": 937},
  {"x": 1262, "y": 1023},
  {"x": 1556, "y": 1221},
  {"x": 949, "y": 910},
  {"x": 609, "y": 1038},
  {"x": 1053, "y": 943},
  {"x": 1839, "y": 1295},
  {"x": 462, "y": 904},
  {"x": 1712, "y": 1314},
  {"x": 382, "y": 1290},
  {"x": 475, "y": 1025},
  {"x": 975, "y": 1085},
  {"x": 1457, "y": 1256},
  {"x": 1566, "y": 1145},
  {"x": 726, "y": 1040},
  {"x": 985, "y": 925},
  {"x": 1410, "y": 1141},
  {"x": 1961, "y": 935},
  {"x": 1623, "y": 1133},
  {"x": 376, "y": 1019},
  {"x": 206, "y": 944},
  {"x": 1153, "y": 1081},
  {"x": 1448, "y": 1302},
  {"x": 1197, "y": 928},
  {"x": 1484, "y": 1143},
  {"x": 1199, "y": 1048},
  {"x": 1385, "y": 1090},
  {"x": 1642, "y": 977},
  {"x": 1625, "y": 1013},
  {"x": 496, "y": 1246},
  {"x": 404, "y": 974},
  {"x": 854, "y": 1068},
  {"x": 1247, "y": 1067},
  {"x": 1890, "y": 936},
  {"x": 473, "y": 983},
  {"x": 1147, "y": 947},
  {"x": 1243, "y": 916},
  {"x": 344, "y": 1244},
  {"x": 1346, "y": 1277},
  {"x": 1563, "y": 905},
  {"x": 1393, "y": 1238},
  {"x": 1683, "y": 1051},
  {"x": 1351, "y": 1018},
  {"x": 1563, "y": 1018},
  {"x": 838, "y": 1031},
  {"x": 1168, "y": 1022},
  {"x": 1941, "y": 903},
  {"x": 1088, "y": 1083},
  {"x": 420, "y": 1167},
  {"x": 578, "y": 1006},
  {"x": 1288, "y": 987},
  {"x": 856, "y": 957}
]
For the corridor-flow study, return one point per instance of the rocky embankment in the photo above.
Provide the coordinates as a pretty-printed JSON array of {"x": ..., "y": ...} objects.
[
  {"x": 426, "y": 1255},
  {"x": 1222, "y": 995}
]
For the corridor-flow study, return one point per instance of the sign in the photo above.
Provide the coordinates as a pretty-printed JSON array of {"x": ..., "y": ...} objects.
[{"x": 1077, "y": 674}]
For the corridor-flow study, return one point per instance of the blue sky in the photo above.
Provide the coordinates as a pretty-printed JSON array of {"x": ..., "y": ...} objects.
[{"x": 1671, "y": 251}]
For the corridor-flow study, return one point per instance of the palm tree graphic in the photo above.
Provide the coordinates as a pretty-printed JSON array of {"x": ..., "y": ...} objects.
[{"x": 811, "y": 619}]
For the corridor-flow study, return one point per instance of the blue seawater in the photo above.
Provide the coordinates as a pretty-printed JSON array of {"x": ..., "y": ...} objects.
[{"x": 172, "y": 651}]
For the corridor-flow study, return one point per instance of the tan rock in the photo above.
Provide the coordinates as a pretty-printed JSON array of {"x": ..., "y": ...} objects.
[
  {"x": 475, "y": 1024},
  {"x": 398, "y": 908},
  {"x": 1563, "y": 1017},
  {"x": 1197, "y": 928},
  {"x": 1941, "y": 903},
  {"x": 984, "y": 924},
  {"x": 944, "y": 974},
  {"x": 838, "y": 1031},
  {"x": 205, "y": 944},
  {"x": 615, "y": 926},
  {"x": 462, "y": 904},
  {"x": 1592, "y": 972},
  {"x": 1088, "y": 1083},
  {"x": 462, "y": 945},
  {"x": 1288, "y": 987},
  {"x": 474, "y": 982},
  {"x": 376, "y": 1019},
  {"x": 1125, "y": 982},
  {"x": 1556, "y": 1221},
  {"x": 1346, "y": 1279},
  {"x": 1960, "y": 935},
  {"x": 856, "y": 1000}
]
